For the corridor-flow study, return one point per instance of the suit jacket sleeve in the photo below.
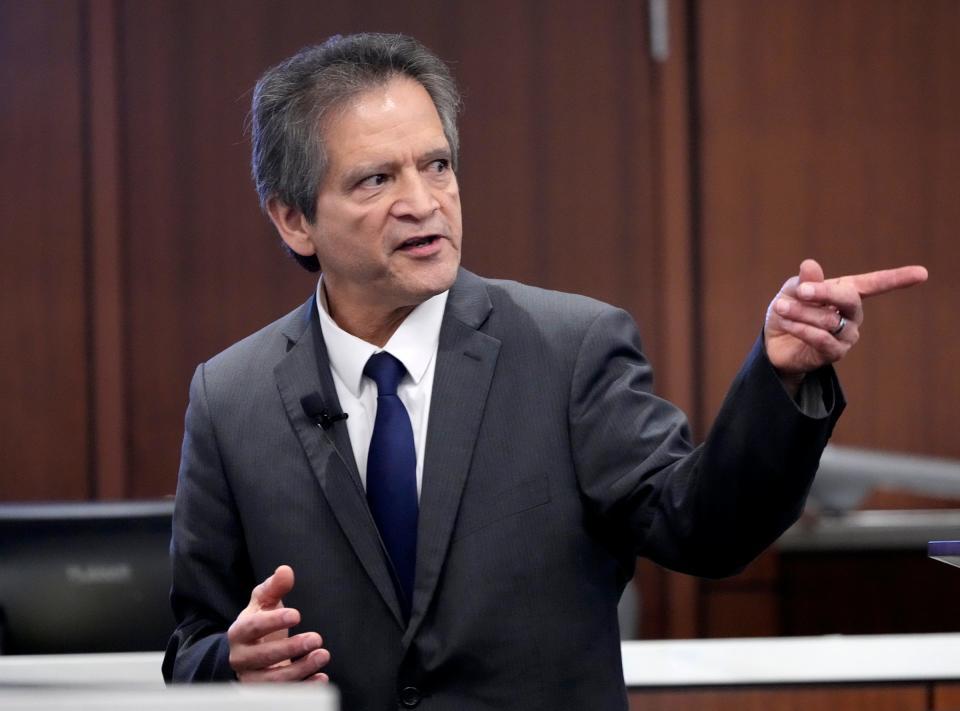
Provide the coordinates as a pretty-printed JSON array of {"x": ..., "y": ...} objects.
[
  {"x": 212, "y": 579},
  {"x": 706, "y": 511}
]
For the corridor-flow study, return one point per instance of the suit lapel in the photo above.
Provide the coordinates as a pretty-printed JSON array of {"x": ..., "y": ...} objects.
[
  {"x": 304, "y": 371},
  {"x": 466, "y": 359}
]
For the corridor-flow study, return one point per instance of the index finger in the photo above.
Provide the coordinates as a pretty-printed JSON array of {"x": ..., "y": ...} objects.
[{"x": 880, "y": 282}]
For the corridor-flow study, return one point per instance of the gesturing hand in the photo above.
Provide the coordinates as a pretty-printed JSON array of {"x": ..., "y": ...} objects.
[
  {"x": 261, "y": 649},
  {"x": 814, "y": 321}
]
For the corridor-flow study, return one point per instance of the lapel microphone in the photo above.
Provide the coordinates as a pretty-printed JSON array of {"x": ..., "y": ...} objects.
[{"x": 313, "y": 407}]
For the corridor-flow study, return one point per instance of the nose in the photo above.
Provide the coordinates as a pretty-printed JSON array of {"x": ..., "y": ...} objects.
[{"x": 415, "y": 198}]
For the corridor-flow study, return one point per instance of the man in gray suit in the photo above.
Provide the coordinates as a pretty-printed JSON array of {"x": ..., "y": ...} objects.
[{"x": 536, "y": 464}]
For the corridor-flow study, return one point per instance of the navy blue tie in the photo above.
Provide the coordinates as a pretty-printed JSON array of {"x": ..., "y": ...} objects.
[{"x": 392, "y": 473}]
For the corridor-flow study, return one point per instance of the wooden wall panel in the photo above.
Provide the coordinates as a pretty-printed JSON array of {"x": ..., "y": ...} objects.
[
  {"x": 110, "y": 433},
  {"x": 557, "y": 171},
  {"x": 594, "y": 166},
  {"x": 832, "y": 129},
  {"x": 203, "y": 266},
  {"x": 669, "y": 601},
  {"x": 45, "y": 415},
  {"x": 866, "y": 592},
  {"x": 946, "y": 696},
  {"x": 746, "y": 605}
]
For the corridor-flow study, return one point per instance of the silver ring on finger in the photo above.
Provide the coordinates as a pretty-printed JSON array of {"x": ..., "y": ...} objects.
[{"x": 840, "y": 326}]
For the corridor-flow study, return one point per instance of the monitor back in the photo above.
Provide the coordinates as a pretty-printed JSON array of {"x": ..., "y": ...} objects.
[{"x": 85, "y": 577}]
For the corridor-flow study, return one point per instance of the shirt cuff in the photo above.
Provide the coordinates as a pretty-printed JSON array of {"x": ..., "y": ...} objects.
[{"x": 811, "y": 396}]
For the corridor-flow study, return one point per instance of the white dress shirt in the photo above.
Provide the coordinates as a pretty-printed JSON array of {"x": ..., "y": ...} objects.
[{"x": 414, "y": 344}]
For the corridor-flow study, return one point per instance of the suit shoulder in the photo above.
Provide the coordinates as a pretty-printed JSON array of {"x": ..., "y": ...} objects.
[
  {"x": 558, "y": 312},
  {"x": 262, "y": 349},
  {"x": 544, "y": 302}
]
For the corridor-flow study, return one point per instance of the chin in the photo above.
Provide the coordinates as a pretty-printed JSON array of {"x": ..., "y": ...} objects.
[
  {"x": 430, "y": 289},
  {"x": 437, "y": 279}
]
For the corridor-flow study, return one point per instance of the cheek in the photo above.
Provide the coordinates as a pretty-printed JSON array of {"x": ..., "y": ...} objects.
[
  {"x": 453, "y": 190},
  {"x": 451, "y": 202},
  {"x": 351, "y": 239},
  {"x": 369, "y": 235},
  {"x": 363, "y": 222}
]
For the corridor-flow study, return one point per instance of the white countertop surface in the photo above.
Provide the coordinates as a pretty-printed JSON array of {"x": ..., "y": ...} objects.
[
  {"x": 140, "y": 669},
  {"x": 195, "y": 697},
  {"x": 792, "y": 660},
  {"x": 712, "y": 662}
]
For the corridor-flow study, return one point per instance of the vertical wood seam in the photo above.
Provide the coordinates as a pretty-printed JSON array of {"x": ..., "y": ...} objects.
[
  {"x": 682, "y": 378},
  {"x": 109, "y": 387}
]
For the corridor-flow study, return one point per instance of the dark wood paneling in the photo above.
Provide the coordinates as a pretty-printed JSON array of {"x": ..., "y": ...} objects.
[
  {"x": 789, "y": 592},
  {"x": 203, "y": 266},
  {"x": 866, "y": 592},
  {"x": 745, "y": 605},
  {"x": 673, "y": 134},
  {"x": 595, "y": 168},
  {"x": 876, "y": 697},
  {"x": 557, "y": 171},
  {"x": 501, "y": 141},
  {"x": 110, "y": 433},
  {"x": 560, "y": 155},
  {"x": 669, "y": 601},
  {"x": 946, "y": 696},
  {"x": 44, "y": 418},
  {"x": 832, "y": 129}
]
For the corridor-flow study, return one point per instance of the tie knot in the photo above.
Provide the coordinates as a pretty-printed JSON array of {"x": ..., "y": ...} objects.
[{"x": 386, "y": 371}]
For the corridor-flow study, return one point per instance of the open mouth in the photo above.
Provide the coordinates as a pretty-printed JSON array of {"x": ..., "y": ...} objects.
[{"x": 415, "y": 242}]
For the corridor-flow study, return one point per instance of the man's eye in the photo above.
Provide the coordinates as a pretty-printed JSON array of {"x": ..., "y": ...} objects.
[
  {"x": 440, "y": 165},
  {"x": 373, "y": 181}
]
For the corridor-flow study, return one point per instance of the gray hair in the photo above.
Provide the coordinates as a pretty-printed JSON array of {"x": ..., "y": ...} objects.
[{"x": 291, "y": 100}]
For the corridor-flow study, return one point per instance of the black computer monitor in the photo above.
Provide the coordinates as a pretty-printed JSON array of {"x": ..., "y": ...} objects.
[{"x": 85, "y": 577}]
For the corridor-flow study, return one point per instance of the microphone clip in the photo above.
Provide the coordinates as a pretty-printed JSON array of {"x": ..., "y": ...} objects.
[
  {"x": 313, "y": 408},
  {"x": 326, "y": 419}
]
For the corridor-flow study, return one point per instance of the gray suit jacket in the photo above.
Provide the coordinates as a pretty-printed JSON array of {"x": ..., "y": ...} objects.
[{"x": 549, "y": 467}]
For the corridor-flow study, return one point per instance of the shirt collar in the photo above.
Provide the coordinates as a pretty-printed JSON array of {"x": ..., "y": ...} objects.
[{"x": 414, "y": 343}]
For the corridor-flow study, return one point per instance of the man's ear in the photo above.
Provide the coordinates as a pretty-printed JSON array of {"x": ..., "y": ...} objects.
[{"x": 293, "y": 227}]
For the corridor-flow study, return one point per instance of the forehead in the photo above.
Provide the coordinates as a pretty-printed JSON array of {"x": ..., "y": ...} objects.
[{"x": 394, "y": 118}]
